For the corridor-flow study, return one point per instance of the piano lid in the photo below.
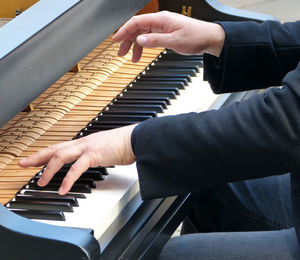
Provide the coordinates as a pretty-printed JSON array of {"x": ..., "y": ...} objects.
[
  {"x": 212, "y": 10},
  {"x": 47, "y": 40}
]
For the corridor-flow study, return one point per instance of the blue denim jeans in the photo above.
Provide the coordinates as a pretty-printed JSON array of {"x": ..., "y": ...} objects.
[{"x": 242, "y": 220}]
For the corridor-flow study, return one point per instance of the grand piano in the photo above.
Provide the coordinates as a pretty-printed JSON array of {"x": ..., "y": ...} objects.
[{"x": 60, "y": 78}]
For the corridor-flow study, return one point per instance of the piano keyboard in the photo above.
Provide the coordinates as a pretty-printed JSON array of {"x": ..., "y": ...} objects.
[{"x": 171, "y": 84}]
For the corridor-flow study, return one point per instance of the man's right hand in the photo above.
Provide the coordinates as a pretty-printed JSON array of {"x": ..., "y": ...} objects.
[
  {"x": 105, "y": 148},
  {"x": 182, "y": 34}
]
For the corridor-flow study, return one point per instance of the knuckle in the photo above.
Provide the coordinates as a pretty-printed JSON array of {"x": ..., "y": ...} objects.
[
  {"x": 52, "y": 148},
  {"x": 75, "y": 167},
  {"x": 164, "y": 13},
  {"x": 133, "y": 19},
  {"x": 58, "y": 156},
  {"x": 91, "y": 149},
  {"x": 94, "y": 161},
  {"x": 134, "y": 22}
]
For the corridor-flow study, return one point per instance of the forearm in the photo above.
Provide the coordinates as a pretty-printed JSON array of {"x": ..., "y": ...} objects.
[{"x": 255, "y": 138}]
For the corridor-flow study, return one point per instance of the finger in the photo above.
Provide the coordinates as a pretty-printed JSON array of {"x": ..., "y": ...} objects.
[
  {"x": 146, "y": 22},
  {"x": 137, "y": 52},
  {"x": 42, "y": 157},
  {"x": 79, "y": 167},
  {"x": 61, "y": 157},
  {"x": 124, "y": 47},
  {"x": 152, "y": 40}
]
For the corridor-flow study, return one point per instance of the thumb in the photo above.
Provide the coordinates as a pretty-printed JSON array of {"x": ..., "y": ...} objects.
[{"x": 151, "y": 40}]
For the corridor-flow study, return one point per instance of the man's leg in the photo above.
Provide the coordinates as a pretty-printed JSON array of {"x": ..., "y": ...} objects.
[
  {"x": 254, "y": 205},
  {"x": 257, "y": 245},
  {"x": 261, "y": 205}
]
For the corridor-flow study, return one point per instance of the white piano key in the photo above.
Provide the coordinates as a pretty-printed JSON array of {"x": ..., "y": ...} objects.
[
  {"x": 120, "y": 188},
  {"x": 104, "y": 204}
]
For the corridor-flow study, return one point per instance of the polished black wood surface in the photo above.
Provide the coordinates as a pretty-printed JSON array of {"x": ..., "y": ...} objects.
[
  {"x": 213, "y": 10},
  {"x": 59, "y": 34},
  {"x": 21, "y": 238}
]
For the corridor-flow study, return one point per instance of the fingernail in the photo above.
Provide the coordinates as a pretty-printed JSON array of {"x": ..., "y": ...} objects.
[
  {"x": 40, "y": 182},
  {"x": 141, "y": 40},
  {"x": 61, "y": 191}
]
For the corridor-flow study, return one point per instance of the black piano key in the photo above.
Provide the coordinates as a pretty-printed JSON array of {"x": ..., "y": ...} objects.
[
  {"x": 158, "y": 84},
  {"x": 135, "y": 107},
  {"x": 58, "y": 181},
  {"x": 83, "y": 188},
  {"x": 103, "y": 127},
  {"x": 112, "y": 123},
  {"x": 166, "y": 62},
  {"x": 24, "y": 197},
  {"x": 86, "y": 132},
  {"x": 96, "y": 175},
  {"x": 147, "y": 94},
  {"x": 40, "y": 205},
  {"x": 176, "y": 56},
  {"x": 101, "y": 169},
  {"x": 154, "y": 88},
  {"x": 161, "y": 66},
  {"x": 82, "y": 180},
  {"x": 143, "y": 97},
  {"x": 170, "y": 72},
  {"x": 93, "y": 129},
  {"x": 141, "y": 79},
  {"x": 52, "y": 194},
  {"x": 35, "y": 214},
  {"x": 197, "y": 62},
  {"x": 169, "y": 52},
  {"x": 171, "y": 57},
  {"x": 145, "y": 113},
  {"x": 135, "y": 118},
  {"x": 164, "y": 76},
  {"x": 85, "y": 180},
  {"x": 139, "y": 102},
  {"x": 91, "y": 169}
]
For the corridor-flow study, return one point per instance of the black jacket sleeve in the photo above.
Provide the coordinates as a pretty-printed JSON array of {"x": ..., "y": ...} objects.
[
  {"x": 254, "y": 56},
  {"x": 255, "y": 138}
]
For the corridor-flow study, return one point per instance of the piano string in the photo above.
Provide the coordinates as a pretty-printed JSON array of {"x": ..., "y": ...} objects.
[{"x": 61, "y": 111}]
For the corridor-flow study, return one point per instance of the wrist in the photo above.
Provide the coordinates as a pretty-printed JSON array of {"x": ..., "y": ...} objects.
[
  {"x": 128, "y": 142},
  {"x": 217, "y": 39}
]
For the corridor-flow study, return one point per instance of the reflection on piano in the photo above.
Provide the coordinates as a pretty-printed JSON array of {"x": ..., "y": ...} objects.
[{"x": 103, "y": 215}]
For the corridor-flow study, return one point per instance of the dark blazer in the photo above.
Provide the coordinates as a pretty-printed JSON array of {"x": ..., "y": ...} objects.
[{"x": 255, "y": 138}]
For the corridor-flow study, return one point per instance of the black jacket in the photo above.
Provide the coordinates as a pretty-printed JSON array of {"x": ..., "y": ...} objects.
[{"x": 255, "y": 138}]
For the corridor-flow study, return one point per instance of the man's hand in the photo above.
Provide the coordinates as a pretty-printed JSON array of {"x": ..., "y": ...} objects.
[
  {"x": 105, "y": 148},
  {"x": 182, "y": 34}
]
